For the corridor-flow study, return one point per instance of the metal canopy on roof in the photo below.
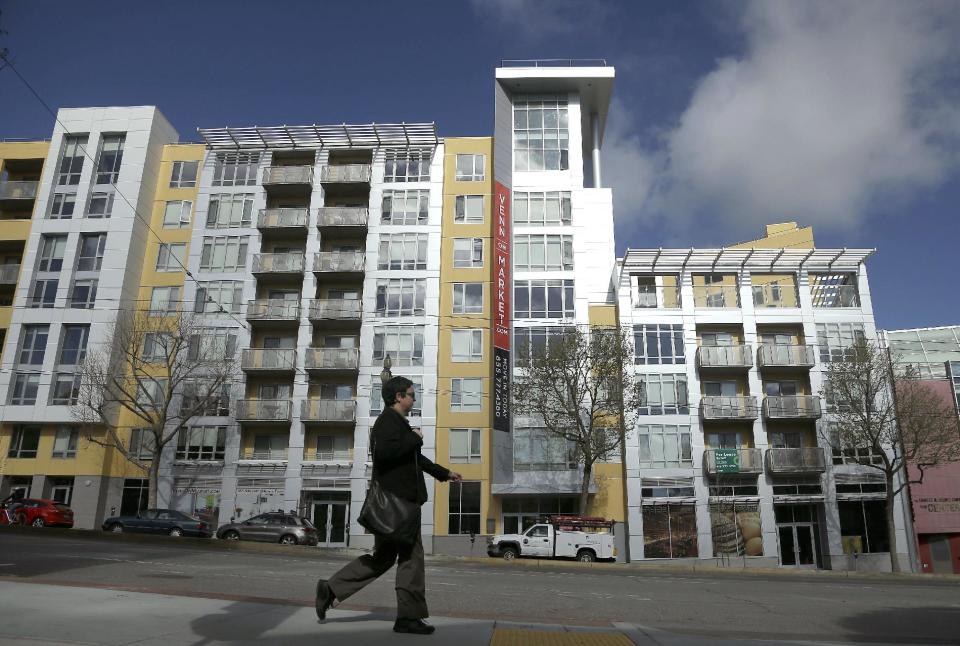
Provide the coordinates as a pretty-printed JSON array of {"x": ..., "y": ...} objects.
[
  {"x": 372, "y": 135},
  {"x": 755, "y": 259}
]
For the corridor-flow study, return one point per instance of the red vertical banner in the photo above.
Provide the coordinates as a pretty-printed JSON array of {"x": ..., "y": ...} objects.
[{"x": 502, "y": 287}]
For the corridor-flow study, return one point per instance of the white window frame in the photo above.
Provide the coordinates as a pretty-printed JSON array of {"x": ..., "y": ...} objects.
[
  {"x": 100, "y": 212},
  {"x": 532, "y": 134},
  {"x": 395, "y": 289},
  {"x": 171, "y": 256},
  {"x": 653, "y": 445},
  {"x": 664, "y": 393},
  {"x": 205, "y": 443},
  {"x": 168, "y": 297},
  {"x": 470, "y": 340},
  {"x": 74, "y": 394},
  {"x": 230, "y": 211},
  {"x": 236, "y": 169},
  {"x": 108, "y": 176},
  {"x": 399, "y": 166},
  {"x": 391, "y": 215},
  {"x": 460, "y": 293},
  {"x": 567, "y": 298},
  {"x": 547, "y": 209},
  {"x": 224, "y": 253},
  {"x": 463, "y": 399},
  {"x": 213, "y": 294},
  {"x": 400, "y": 342},
  {"x": 542, "y": 252},
  {"x": 181, "y": 210},
  {"x": 466, "y": 445},
  {"x": 470, "y": 167},
  {"x": 177, "y": 175},
  {"x": 141, "y": 444},
  {"x": 469, "y": 209},
  {"x": 467, "y": 253},
  {"x": 403, "y": 251}
]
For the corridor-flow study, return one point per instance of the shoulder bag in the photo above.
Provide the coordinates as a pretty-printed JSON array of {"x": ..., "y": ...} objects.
[{"x": 387, "y": 515}]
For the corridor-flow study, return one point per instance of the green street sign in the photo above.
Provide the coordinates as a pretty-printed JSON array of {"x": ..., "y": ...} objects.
[{"x": 727, "y": 460}]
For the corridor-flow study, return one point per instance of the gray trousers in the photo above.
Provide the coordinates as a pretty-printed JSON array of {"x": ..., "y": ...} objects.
[{"x": 411, "y": 581}]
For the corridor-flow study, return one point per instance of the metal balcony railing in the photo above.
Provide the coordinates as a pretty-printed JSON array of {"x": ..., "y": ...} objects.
[
  {"x": 791, "y": 407},
  {"x": 720, "y": 296},
  {"x": 264, "y": 410},
  {"x": 273, "y": 310},
  {"x": 332, "y": 359},
  {"x": 724, "y": 356},
  {"x": 714, "y": 407},
  {"x": 9, "y": 274},
  {"x": 345, "y": 174},
  {"x": 338, "y": 261},
  {"x": 328, "y": 410},
  {"x": 334, "y": 309},
  {"x": 288, "y": 175},
  {"x": 835, "y": 295},
  {"x": 732, "y": 461},
  {"x": 278, "y": 263},
  {"x": 774, "y": 296},
  {"x": 313, "y": 455},
  {"x": 265, "y": 454},
  {"x": 343, "y": 216},
  {"x": 285, "y": 218},
  {"x": 810, "y": 459},
  {"x": 553, "y": 62},
  {"x": 787, "y": 356},
  {"x": 18, "y": 190},
  {"x": 272, "y": 359}
]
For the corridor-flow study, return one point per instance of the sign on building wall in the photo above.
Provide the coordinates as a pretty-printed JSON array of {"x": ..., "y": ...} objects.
[
  {"x": 501, "y": 307},
  {"x": 727, "y": 460}
]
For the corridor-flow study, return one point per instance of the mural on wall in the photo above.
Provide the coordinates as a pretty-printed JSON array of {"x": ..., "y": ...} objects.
[{"x": 736, "y": 529}]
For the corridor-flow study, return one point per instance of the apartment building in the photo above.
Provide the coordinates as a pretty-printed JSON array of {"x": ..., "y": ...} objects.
[{"x": 727, "y": 461}]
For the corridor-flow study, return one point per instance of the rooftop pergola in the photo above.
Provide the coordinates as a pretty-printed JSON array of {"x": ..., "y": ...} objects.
[
  {"x": 372, "y": 135},
  {"x": 755, "y": 259}
]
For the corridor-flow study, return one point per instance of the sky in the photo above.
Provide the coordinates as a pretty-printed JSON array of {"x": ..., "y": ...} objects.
[{"x": 725, "y": 115}]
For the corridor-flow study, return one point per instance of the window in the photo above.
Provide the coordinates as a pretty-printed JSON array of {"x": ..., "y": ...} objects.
[
  {"x": 213, "y": 295},
  {"x": 543, "y": 299},
  {"x": 403, "y": 251},
  {"x": 230, "y": 211},
  {"x": 44, "y": 292},
  {"x": 184, "y": 174},
  {"x": 90, "y": 254},
  {"x": 667, "y": 488},
  {"x": 736, "y": 528},
  {"x": 464, "y": 445},
  {"x": 202, "y": 443},
  {"x": 203, "y": 400},
  {"x": 142, "y": 443},
  {"x": 176, "y": 214},
  {"x": 61, "y": 490},
  {"x": 65, "y": 442},
  {"x": 83, "y": 295},
  {"x": 135, "y": 496},
  {"x": 542, "y": 209},
  {"x": 468, "y": 252},
  {"x": 376, "y": 397},
  {"x": 469, "y": 209},
  {"x": 848, "y": 454},
  {"x": 669, "y": 531},
  {"x": 71, "y": 160},
  {"x": 464, "y": 517},
  {"x": 73, "y": 349},
  {"x": 235, "y": 169},
  {"x": 25, "y": 387},
  {"x": 465, "y": 395},
  {"x": 212, "y": 344},
  {"x": 537, "y": 449},
  {"x": 156, "y": 345},
  {"x": 664, "y": 394},
  {"x": 100, "y": 205},
  {"x": 406, "y": 166},
  {"x": 405, "y": 207},
  {"x": 270, "y": 447},
  {"x": 541, "y": 139},
  {"x": 529, "y": 342},
  {"x": 403, "y": 343},
  {"x": 62, "y": 206},
  {"x": 401, "y": 296},
  {"x": 151, "y": 393},
  {"x": 224, "y": 253},
  {"x": 164, "y": 300},
  {"x": 33, "y": 345},
  {"x": 658, "y": 344},
  {"x": 470, "y": 168},
  {"x": 109, "y": 158},
  {"x": 835, "y": 340},
  {"x": 837, "y": 290},
  {"x": 333, "y": 447},
  {"x": 466, "y": 346},
  {"x": 468, "y": 298},
  {"x": 51, "y": 253},
  {"x": 665, "y": 445},
  {"x": 863, "y": 525},
  {"x": 24, "y": 442},
  {"x": 543, "y": 253},
  {"x": 170, "y": 256},
  {"x": 65, "y": 390}
]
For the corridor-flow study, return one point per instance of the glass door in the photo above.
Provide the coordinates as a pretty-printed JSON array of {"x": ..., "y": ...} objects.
[{"x": 330, "y": 519}]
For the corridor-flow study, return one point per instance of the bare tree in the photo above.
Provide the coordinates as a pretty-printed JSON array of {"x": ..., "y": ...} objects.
[
  {"x": 581, "y": 387},
  {"x": 888, "y": 424},
  {"x": 165, "y": 371}
]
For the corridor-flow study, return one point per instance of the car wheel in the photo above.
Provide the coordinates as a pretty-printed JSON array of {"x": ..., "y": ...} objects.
[
  {"x": 586, "y": 556},
  {"x": 116, "y": 528},
  {"x": 288, "y": 539},
  {"x": 231, "y": 536},
  {"x": 509, "y": 553},
  {"x": 176, "y": 532},
  {"x": 37, "y": 522}
]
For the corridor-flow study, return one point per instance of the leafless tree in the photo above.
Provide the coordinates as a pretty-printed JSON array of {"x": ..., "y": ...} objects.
[
  {"x": 581, "y": 387},
  {"x": 888, "y": 428},
  {"x": 163, "y": 370}
]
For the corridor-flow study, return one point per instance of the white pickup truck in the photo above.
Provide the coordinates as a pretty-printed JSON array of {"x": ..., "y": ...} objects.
[{"x": 553, "y": 541}]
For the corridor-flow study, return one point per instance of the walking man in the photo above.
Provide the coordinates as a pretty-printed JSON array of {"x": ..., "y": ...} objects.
[{"x": 396, "y": 449}]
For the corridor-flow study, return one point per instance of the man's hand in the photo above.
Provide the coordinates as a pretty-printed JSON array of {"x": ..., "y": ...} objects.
[
  {"x": 418, "y": 432},
  {"x": 455, "y": 477}
]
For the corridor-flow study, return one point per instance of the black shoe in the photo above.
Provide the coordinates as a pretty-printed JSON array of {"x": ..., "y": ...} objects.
[
  {"x": 413, "y": 626},
  {"x": 324, "y": 599}
]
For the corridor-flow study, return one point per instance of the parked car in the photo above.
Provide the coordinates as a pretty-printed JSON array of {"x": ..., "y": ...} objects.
[
  {"x": 559, "y": 537},
  {"x": 40, "y": 513},
  {"x": 158, "y": 521},
  {"x": 274, "y": 527}
]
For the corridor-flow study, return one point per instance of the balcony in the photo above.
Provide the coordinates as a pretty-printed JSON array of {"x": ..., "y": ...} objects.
[
  {"x": 339, "y": 262},
  {"x": 276, "y": 310},
  {"x": 728, "y": 408},
  {"x": 288, "y": 180},
  {"x": 335, "y": 310},
  {"x": 18, "y": 191},
  {"x": 786, "y": 356},
  {"x": 9, "y": 274},
  {"x": 283, "y": 220},
  {"x": 810, "y": 459},
  {"x": 732, "y": 461},
  {"x": 276, "y": 361},
  {"x": 328, "y": 411},
  {"x": 716, "y": 296},
  {"x": 791, "y": 407},
  {"x": 278, "y": 263},
  {"x": 343, "y": 219},
  {"x": 264, "y": 410},
  {"x": 266, "y": 455},
  {"x": 345, "y": 174},
  {"x": 339, "y": 457},
  {"x": 333, "y": 359},
  {"x": 725, "y": 356}
]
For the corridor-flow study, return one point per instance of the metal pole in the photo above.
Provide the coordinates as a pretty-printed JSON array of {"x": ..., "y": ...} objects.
[
  {"x": 595, "y": 133},
  {"x": 913, "y": 549}
]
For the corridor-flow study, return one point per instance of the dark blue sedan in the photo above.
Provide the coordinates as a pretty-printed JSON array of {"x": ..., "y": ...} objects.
[{"x": 158, "y": 521}]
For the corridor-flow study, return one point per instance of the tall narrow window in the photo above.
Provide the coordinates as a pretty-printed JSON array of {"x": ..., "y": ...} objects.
[
  {"x": 90, "y": 254},
  {"x": 51, "y": 253},
  {"x": 111, "y": 154},
  {"x": 100, "y": 205},
  {"x": 83, "y": 295},
  {"x": 74, "y": 347},
  {"x": 33, "y": 345},
  {"x": 71, "y": 160},
  {"x": 464, "y": 516},
  {"x": 62, "y": 206}
]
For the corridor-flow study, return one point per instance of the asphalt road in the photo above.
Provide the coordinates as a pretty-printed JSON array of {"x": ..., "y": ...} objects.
[{"x": 729, "y": 605}]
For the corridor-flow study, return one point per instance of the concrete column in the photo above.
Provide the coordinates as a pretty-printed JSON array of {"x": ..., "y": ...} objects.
[{"x": 595, "y": 133}]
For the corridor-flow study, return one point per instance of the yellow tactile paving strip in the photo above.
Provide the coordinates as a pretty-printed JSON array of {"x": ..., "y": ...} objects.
[{"x": 520, "y": 637}]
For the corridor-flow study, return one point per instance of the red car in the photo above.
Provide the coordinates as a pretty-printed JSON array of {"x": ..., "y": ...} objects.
[{"x": 42, "y": 513}]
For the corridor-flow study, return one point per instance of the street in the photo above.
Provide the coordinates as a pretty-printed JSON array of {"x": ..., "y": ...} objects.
[{"x": 713, "y": 605}]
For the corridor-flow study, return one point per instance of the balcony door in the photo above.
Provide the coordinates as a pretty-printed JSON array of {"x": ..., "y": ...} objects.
[
  {"x": 786, "y": 440},
  {"x": 726, "y": 440},
  {"x": 720, "y": 388}
]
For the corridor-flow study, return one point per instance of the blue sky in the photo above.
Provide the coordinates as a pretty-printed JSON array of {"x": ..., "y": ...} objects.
[{"x": 843, "y": 115}]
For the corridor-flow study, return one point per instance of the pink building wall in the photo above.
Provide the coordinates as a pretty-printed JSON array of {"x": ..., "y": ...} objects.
[{"x": 936, "y": 502}]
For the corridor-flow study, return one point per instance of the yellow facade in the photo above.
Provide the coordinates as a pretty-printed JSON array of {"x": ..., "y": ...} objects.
[{"x": 778, "y": 236}]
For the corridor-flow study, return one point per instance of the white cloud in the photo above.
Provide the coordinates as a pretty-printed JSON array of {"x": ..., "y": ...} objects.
[{"x": 626, "y": 166}]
